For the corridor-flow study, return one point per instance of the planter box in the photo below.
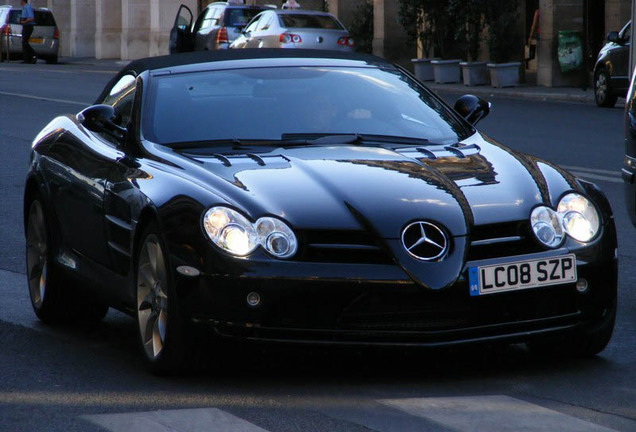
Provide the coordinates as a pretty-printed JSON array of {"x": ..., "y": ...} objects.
[
  {"x": 446, "y": 71},
  {"x": 504, "y": 74},
  {"x": 423, "y": 69},
  {"x": 475, "y": 73}
]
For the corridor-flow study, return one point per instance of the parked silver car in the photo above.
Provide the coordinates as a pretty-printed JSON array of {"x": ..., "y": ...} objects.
[
  {"x": 295, "y": 29},
  {"x": 218, "y": 25},
  {"x": 45, "y": 39}
]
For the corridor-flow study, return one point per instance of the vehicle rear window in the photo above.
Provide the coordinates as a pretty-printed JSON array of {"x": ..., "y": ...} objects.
[
  {"x": 310, "y": 21},
  {"x": 41, "y": 18},
  {"x": 238, "y": 17}
]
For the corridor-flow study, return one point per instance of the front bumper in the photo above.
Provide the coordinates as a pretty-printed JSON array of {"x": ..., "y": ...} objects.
[{"x": 380, "y": 305}]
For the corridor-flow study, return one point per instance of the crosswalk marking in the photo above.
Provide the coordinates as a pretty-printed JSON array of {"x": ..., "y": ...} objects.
[
  {"x": 188, "y": 420},
  {"x": 492, "y": 413},
  {"x": 443, "y": 414},
  {"x": 611, "y": 176}
]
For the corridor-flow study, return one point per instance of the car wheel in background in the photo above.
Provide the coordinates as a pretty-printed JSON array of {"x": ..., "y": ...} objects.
[
  {"x": 165, "y": 343},
  {"x": 602, "y": 90}
]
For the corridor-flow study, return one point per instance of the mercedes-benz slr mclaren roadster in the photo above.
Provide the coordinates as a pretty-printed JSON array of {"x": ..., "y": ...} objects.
[{"x": 309, "y": 197}]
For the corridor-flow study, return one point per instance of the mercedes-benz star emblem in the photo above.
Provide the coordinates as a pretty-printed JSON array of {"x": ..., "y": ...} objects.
[{"x": 424, "y": 241}]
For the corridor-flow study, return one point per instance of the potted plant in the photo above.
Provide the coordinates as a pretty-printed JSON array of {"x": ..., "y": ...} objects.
[
  {"x": 428, "y": 22},
  {"x": 501, "y": 19},
  {"x": 470, "y": 19}
]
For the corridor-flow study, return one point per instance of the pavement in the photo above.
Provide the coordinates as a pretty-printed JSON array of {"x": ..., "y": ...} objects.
[{"x": 522, "y": 91}]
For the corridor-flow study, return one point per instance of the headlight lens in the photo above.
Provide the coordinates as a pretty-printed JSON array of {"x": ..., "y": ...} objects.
[
  {"x": 230, "y": 231},
  {"x": 276, "y": 237},
  {"x": 579, "y": 216},
  {"x": 546, "y": 226},
  {"x": 234, "y": 233}
]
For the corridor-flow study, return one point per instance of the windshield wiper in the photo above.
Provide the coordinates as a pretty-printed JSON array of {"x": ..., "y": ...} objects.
[{"x": 316, "y": 138}]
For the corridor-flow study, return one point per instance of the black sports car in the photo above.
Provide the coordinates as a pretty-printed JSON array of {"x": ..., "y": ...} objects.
[{"x": 309, "y": 197}]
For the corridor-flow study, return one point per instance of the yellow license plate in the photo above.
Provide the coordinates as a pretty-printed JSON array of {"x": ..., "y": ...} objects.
[{"x": 36, "y": 40}]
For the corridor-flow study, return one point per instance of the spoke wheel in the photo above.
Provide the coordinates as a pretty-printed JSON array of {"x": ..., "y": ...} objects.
[
  {"x": 602, "y": 91},
  {"x": 37, "y": 256},
  {"x": 164, "y": 332},
  {"x": 152, "y": 297}
]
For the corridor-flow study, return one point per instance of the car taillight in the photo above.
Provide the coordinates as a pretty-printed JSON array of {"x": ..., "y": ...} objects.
[
  {"x": 346, "y": 41},
  {"x": 56, "y": 33},
  {"x": 289, "y": 37},
  {"x": 5, "y": 30},
  {"x": 221, "y": 36}
]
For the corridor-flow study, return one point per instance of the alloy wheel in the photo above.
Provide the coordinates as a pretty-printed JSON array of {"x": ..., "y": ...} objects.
[
  {"x": 37, "y": 254},
  {"x": 152, "y": 297}
]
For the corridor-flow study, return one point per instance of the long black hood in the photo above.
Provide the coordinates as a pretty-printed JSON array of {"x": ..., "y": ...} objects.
[
  {"x": 382, "y": 190},
  {"x": 344, "y": 186}
]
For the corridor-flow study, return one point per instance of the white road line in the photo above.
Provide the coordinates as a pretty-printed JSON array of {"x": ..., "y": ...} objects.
[
  {"x": 615, "y": 172},
  {"x": 187, "y": 420},
  {"x": 41, "y": 98},
  {"x": 492, "y": 413},
  {"x": 596, "y": 177}
]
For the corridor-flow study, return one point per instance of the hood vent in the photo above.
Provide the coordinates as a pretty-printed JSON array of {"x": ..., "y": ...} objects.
[
  {"x": 242, "y": 159},
  {"x": 461, "y": 151}
]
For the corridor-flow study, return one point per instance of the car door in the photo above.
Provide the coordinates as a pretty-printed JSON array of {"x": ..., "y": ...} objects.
[
  {"x": 264, "y": 35},
  {"x": 619, "y": 58},
  {"x": 79, "y": 164},
  {"x": 181, "y": 36}
]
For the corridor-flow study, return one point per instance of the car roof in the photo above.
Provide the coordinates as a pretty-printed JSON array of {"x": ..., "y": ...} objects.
[
  {"x": 194, "y": 61},
  {"x": 238, "y": 6}
]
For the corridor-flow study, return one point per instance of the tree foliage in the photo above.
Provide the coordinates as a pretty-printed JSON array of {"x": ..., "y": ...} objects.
[{"x": 361, "y": 27}]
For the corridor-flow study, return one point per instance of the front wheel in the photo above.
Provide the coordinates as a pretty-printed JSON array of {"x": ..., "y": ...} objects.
[
  {"x": 602, "y": 90},
  {"x": 163, "y": 335}
]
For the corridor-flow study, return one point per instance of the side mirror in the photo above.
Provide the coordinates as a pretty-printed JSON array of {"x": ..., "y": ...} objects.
[
  {"x": 101, "y": 118},
  {"x": 614, "y": 37},
  {"x": 472, "y": 108}
]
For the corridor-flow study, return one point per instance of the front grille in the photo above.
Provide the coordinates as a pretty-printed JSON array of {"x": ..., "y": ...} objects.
[
  {"x": 501, "y": 240},
  {"x": 342, "y": 247},
  {"x": 442, "y": 312}
]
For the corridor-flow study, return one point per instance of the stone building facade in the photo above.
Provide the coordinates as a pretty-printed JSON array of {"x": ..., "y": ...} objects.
[{"x": 128, "y": 29}]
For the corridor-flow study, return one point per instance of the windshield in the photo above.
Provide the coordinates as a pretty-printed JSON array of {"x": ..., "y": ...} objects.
[{"x": 278, "y": 102}]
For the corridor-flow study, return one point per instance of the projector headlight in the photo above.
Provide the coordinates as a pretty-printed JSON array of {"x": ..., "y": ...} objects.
[
  {"x": 235, "y": 234},
  {"x": 230, "y": 230},
  {"x": 579, "y": 216},
  {"x": 546, "y": 226}
]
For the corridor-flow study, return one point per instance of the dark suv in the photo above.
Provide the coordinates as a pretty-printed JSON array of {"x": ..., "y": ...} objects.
[
  {"x": 216, "y": 27},
  {"x": 611, "y": 72},
  {"x": 45, "y": 39}
]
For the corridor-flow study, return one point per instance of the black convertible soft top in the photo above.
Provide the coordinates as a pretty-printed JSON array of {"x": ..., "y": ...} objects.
[{"x": 152, "y": 63}]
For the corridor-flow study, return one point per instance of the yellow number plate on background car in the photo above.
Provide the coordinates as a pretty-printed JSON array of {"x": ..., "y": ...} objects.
[
  {"x": 519, "y": 275},
  {"x": 36, "y": 40}
]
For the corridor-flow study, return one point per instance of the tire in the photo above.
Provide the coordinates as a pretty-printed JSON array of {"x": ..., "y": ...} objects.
[
  {"x": 602, "y": 91},
  {"x": 54, "y": 297},
  {"x": 163, "y": 331},
  {"x": 585, "y": 343}
]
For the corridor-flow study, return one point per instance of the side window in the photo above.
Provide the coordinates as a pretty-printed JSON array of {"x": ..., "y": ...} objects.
[
  {"x": 627, "y": 33},
  {"x": 251, "y": 27},
  {"x": 121, "y": 98},
  {"x": 211, "y": 18},
  {"x": 265, "y": 22}
]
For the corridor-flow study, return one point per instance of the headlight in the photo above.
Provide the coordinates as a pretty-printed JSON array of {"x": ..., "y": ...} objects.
[
  {"x": 579, "y": 216},
  {"x": 234, "y": 233},
  {"x": 546, "y": 226},
  {"x": 276, "y": 237},
  {"x": 230, "y": 231}
]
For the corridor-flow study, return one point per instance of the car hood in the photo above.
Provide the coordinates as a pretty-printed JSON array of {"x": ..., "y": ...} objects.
[{"x": 382, "y": 190}]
